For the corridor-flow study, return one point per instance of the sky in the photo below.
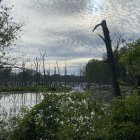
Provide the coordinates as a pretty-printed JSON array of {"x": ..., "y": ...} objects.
[{"x": 62, "y": 29}]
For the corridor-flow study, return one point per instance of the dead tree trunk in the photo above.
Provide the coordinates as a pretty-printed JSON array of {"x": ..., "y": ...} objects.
[
  {"x": 44, "y": 69},
  {"x": 110, "y": 57},
  {"x": 36, "y": 71},
  {"x": 65, "y": 75}
]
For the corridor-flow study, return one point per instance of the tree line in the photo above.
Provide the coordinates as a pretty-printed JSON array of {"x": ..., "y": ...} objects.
[
  {"x": 28, "y": 77},
  {"x": 127, "y": 61}
]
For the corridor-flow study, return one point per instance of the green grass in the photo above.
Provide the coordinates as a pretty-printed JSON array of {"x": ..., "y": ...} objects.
[{"x": 34, "y": 89}]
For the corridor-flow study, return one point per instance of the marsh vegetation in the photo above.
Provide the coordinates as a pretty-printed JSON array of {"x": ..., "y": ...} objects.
[{"x": 101, "y": 102}]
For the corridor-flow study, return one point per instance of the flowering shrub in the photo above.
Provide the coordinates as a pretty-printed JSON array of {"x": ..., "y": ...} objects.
[
  {"x": 64, "y": 116},
  {"x": 78, "y": 116}
]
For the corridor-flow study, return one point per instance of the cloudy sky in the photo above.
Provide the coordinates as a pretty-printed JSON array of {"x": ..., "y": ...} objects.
[{"x": 63, "y": 28}]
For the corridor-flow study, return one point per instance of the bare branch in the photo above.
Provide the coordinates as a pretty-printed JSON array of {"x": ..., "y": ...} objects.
[
  {"x": 96, "y": 27},
  {"x": 101, "y": 37}
]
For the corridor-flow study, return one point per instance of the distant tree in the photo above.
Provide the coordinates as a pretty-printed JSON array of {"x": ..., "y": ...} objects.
[
  {"x": 96, "y": 71},
  {"x": 26, "y": 77},
  {"x": 5, "y": 75}
]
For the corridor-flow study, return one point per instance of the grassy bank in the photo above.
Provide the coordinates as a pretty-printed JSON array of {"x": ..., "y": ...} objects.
[{"x": 34, "y": 89}]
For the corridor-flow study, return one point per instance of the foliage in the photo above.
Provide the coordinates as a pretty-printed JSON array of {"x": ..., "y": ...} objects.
[
  {"x": 8, "y": 28},
  {"x": 64, "y": 116},
  {"x": 4, "y": 75},
  {"x": 97, "y": 71},
  {"x": 129, "y": 57},
  {"x": 9, "y": 123},
  {"x": 75, "y": 116},
  {"x": 125, "y": 119},
  {"x": 127, "y": 61},
  {"x": 8, "y": 34},
  {"x": 34, "y": 88},
  {"x": 25, "y": 77},
  {"x": 28, "y": 77}
]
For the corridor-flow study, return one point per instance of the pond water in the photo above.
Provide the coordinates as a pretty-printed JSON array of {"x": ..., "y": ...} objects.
[{"x": 11, "y": 102}]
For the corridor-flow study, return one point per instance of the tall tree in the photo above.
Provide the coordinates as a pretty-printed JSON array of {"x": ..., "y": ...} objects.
[
  {"x": 110, "y": 56},
  {"x": 8, "y": 29}
]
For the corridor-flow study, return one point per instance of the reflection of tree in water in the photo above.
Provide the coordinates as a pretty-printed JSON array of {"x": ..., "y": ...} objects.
[{"x": 11, "y": 103}]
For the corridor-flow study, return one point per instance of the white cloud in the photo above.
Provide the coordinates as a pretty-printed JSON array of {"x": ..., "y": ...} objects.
[{"x": 64, "y": 27}]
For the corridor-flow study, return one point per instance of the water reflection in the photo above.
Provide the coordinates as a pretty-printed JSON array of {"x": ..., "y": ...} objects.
[{"x": 10, "y": 103}]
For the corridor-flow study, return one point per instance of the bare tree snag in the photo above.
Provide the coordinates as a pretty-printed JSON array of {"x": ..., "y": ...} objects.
[
  {"x": 44, "y": 69},
  {"x": 110, "y": 57},
  {"x": 65, "y": 74}
]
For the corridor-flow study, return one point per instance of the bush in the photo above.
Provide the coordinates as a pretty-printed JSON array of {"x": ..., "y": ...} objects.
[
  {"x": 63, "y": 116},
  {"x": 78, "y": 116},
  {"x": 125, "y": 119}
]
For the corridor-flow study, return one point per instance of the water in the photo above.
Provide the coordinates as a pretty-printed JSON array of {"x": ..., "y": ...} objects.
[{"x": 10, "y": 102}]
